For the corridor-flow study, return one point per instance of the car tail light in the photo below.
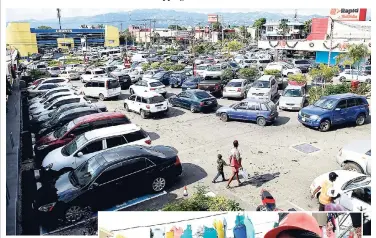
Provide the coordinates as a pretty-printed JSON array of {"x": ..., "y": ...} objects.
[
  {"x": 202, "y": 103},
  {"x": 106, "y": 84},
  {"x": 148, "y": 106},
  {"x": 152, "y": 89},
  {"x": 148, "y": 142},
  {"x": 239, "y": 90},
  {"x": 177, "y": 161}
]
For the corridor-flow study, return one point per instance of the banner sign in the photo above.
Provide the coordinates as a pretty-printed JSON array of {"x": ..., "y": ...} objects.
[
  {"x": 348, "y": 14},
  {"x": 212, "y": 18}
]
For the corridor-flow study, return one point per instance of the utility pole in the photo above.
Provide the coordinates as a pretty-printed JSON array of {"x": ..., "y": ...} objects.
[
  {"x": 222, "y": 29},
  {"x": 331, "y": 39},
  {"x": 121, "y": 27}
]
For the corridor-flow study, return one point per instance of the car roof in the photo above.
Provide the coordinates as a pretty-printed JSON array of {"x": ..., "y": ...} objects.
[
  {"x": 102, "y": 79},
  {"x": 48, "y": 84},
  {"x": 98, "y": 116},
  {"x": 342, "y": 95},
  {"x": 122, "y": 153},
  {"x": 237, "y": 80},
  {"x": 111, "y": 131},
  {"x": 78, "y": 109},
  {"x": 148, "y": 94},
  {"x": 255, "y": 100}
]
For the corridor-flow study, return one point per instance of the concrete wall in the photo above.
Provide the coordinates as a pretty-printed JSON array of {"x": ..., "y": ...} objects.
[
  {"x": 111, "y": 36},
  {"x": 19, "y": 37}
]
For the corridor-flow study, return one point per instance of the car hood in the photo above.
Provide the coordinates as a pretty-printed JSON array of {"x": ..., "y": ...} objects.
[
  {"x": 259, "y": 90},
  {"x": 313, "y": 110},
  {"x": 46, "y": 139},
  {"x": 343, "y": 177},
  {"x": 292, "y": 100},
  {"x": 53, "y": 157},
  {"x": 359, "y": 146}
]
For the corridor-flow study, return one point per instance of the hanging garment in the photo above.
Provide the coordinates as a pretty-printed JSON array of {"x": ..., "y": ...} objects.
[
  {"x": 218, "y": 225},
  {"x": 170, "y": 234},
  {"x": 177, "y": 231},
  {"x": 249, "y": 228},
  {"x": 239, "y": 220},
  {"x": 187, "y": 232},
  {"x": 225, "y": 227},
  {"x": 240, "y": 231},
  {"x": 157, "y": 233},
  {"x": 209, "y": 233}
]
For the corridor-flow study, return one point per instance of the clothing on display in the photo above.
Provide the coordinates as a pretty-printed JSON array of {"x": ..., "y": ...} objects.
[
  {"x": 158, "y": 233},
  {"x": 209, "y": 232},
  {"x": 249, "y": 228},
  {"x": 187, "y": 232},
  {"x": 218, "y": 225}
]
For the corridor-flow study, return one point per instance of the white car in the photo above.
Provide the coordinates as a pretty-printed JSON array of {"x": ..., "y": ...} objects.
[
  {"x": 92, "y": 74},
  {"x": 266, "y": 87},
  {"x": 56, "y": 104},
  {"x": 60, "y": 81},
  {"x": 213, "y": 71},
  {"x": 200, "y": 69},
  {"x": 41, "y": 89},
  {"x": 146, "y": 103},
  {"x": 69, "y": 74},
  {"x": 349, "y": 75},
  {"x": 86, "y": 145},
  {"x": 354, "y": 189},
  {"x": 148, "y": 86},
  {"x": 356, "y": 156},
  {"x": 150, "y": 73},
  {"x": 49, "y": 99},
  {"x": 136, "y": 75},
  {"x": 48, "y": 93},
  {"x": 102, "y": 88},
  {"x": 286, "y": 69},
  {"x": 293, "y": 98},
  {"x": 236, "y": 88}
]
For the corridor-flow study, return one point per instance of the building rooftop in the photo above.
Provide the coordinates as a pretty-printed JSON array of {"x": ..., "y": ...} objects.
[{"x": 276, "y": 23}]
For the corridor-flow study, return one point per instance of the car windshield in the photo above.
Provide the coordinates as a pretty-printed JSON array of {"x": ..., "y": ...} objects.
[
  {"x": 201, "y": 67},
  {"x": 202, "y": 95},
  {"x": 113, "y": 84},
  {"x": 234, "y": 84},
  {"x": 301, "y": 62},
  {"x": 360, "y": 181},
  {"x": 325, "y": 103},
  {"x": 71, "y": 147},
  {"x": 55, "y": 68},
  {"x": 261, "y": 84},
  {"x": 159, "y": 74},
  {"x": 292, "y": 93},
  {"x": 88, "y": 170},
  {"x": 192, "y": 80},
  {"x": 156, "y": 99},
  {"x": 214, "y": 69},
  {"x": 99, "y": 72},
  {"x": 155, "y": 84},
  {"x": 67, "y": 127}
]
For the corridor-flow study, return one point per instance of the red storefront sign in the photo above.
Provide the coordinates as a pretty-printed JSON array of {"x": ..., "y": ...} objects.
[{"x": 348, "y": 14}]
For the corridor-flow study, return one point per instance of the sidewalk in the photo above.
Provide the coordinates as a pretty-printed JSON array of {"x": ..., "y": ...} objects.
[{"x": 13, "y": 124}]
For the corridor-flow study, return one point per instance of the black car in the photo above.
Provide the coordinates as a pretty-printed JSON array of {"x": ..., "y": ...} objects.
[
  {"x": 177, "y": 79},
  {"x": 163, "y": 77},
  {"x": 195, "y": 100},
  {"x": 106, "y": 180},
  {"x": 303, "y": 65},
  {"x": 64, "y": 118}
]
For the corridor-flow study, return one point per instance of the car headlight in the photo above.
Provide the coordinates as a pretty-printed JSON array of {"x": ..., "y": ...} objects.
[
  {"x": 314, "y": 117},
  {"x": 47, "y": 207},
  {"x": 42, "y": 147},
  {"x": 48, "y": 167}
]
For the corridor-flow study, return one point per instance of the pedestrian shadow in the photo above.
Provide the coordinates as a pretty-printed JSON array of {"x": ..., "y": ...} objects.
[{"x": 259, "y": 180}]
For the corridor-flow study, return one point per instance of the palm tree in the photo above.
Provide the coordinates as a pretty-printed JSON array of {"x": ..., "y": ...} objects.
[
  {"x": 283, "y": 27},
  {"x": 59, "y": 16}
]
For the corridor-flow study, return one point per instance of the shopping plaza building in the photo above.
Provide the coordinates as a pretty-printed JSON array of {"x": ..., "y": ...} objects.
[{"x": 28, "y": 40}]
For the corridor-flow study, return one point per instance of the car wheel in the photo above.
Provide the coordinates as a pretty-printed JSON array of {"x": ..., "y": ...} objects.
[
  {"x": 324, "y": 125},
  {"x": 193, "y": 109},
  {"x": 261, "y": 68},
  {"x": 368, "y": 80},
  {"x": 143, "y": 114},
  {"x": 360, "y": 120},
  {"x": 261, "y": 121},
  {"x": 350, "y": 166},
  {"x": 131, "y": 91},
  {"x": 74, "y": 213},
  {"x": 126, "y": 107},
  {"x": 261, "y": 208},
  {"x": 101, "y": 97},
  {"x": 341, "y": 79},
  {"x": 158, "y": 184},
  {"x": 224, "y": 117}
]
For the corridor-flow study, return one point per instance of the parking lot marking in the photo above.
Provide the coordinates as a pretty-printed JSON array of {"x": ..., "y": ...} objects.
[{"x": 296, "y": 146}]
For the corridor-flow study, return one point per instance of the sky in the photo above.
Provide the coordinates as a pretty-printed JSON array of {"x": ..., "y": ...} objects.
[
  {"x": 262, "y": 222},
  {"x": 17, "y": 14}
]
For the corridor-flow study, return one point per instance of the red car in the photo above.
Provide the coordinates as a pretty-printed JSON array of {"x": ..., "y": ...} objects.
[{"x": 69, "y": 131}]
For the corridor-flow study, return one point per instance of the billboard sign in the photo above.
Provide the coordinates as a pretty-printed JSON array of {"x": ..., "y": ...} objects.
[
  {"x": 212, "y": 18},
  {"x": 63, "y": 31},
  {"x": 348, "y": 14}
]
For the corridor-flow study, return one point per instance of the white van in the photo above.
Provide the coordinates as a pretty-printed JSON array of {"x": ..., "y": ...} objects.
[
  {"x": 139, "y": 58},
  {"x": 102, "y": 88}
]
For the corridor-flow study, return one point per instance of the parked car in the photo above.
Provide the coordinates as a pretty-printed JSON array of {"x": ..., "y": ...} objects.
[
  {"x": 191, "y": 83},
  {"x": 102, "y": 88},
  {"x": 89, "y": 144},
  {"x": 41, "y": 89},
  {"x": 286, "y": 69},
  {"x": 354, "y": 189},
  {"x": 350, "y": 75},
  {"x": 334, "y": 110},
  {"x": 147, "y": 104},
  {"x": 136, "y": 75},
  {"x": 61, "y": 81},
  {"x": 53, "y": 71},
  {"x": 195, "y": 100},
  {"x": 97, "y": 182},
  {"x": 163, "y": 77},
  {"x": 266, "y": 88},
  {"x": 148, "y": 86},
  {"x": 177, "y": 79},
  {"x": 123, "y": 78},
  {"x": 70, "y": 74},
  {"x": 213, "y": 71},
  {"x": 51, "y": 98},
  {"x": 294, "y": 97},
  {"x": 49, "y": 93},
  {"x": 63, "y": 119},
  {"x": 303, "y": 65},
  {"x": 56, "y": 104},
  {"x": 356, "y": 156},
  {"x": 260, "y": 111},
  {"x": 236, "y": 88},
  {"x": 92, "y": 74},
  {"x": 150, "y": 73}
]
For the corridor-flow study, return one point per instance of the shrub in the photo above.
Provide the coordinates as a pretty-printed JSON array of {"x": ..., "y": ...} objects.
[
  {"x": 177, "y": 67},
  {"x": 145, "y": 66},
  {"x": 200, "y": 202},
  {"x": 275, "y": 72},
  {"x": 227, "y": 74},
  {"x": 324, "y": 71},
  {"x": 166, "y": 66},
  {"x": 155, "y": 65},
  {"x": 248, "y": 73},
  {"x": 37, "y": 74},
  {"x": 299, "y": 78}
]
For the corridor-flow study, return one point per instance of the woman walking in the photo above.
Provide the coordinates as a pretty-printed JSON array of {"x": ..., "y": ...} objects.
[{"x": 235, "y": 163}]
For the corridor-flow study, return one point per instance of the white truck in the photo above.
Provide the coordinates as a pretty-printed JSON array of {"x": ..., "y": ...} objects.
[{"x": 91, "y": 74}]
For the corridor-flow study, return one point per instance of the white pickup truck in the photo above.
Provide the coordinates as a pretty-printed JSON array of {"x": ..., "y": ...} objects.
[{"x": 91, "y": 74}]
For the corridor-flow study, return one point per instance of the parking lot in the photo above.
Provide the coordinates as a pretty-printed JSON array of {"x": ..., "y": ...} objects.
[{"x": 267, "y": 152}]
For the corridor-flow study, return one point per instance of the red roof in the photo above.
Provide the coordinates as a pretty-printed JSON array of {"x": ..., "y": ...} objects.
[
  {"x": 319, "y": 29},
  {"x": 97, "y": 117}
]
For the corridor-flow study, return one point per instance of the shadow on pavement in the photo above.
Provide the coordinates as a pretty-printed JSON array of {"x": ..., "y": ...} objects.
[
  {"x": 154, "y": 204},
  {"x": 123, "y": 96},
  {"x": 191, "y": 174},
  {"x": 172, "y": 112},
  {"x": 281, "y": 121},
  {"x": 259, "y": 180}
]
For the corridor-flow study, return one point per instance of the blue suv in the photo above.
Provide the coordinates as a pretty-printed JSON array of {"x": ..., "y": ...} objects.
[{"x": 334, "y": 110}]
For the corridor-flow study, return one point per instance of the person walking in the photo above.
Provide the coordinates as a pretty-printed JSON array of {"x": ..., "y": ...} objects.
[
  {"x": 235, "y": 163},
  {"x": 220, "y": 164},
  {"x": 325, "y": 198}
]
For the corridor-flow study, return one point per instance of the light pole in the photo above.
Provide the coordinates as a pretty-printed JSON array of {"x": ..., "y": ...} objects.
[{"x": 331, "y": 39}]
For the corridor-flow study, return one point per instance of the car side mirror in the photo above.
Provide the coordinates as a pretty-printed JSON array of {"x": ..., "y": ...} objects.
[
  {"x": 80, "y": 154},
  {"x": 54, "y": 107}
]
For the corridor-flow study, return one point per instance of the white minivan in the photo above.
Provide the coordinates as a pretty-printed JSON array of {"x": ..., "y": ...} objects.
[{"x": 102, "y": 88}]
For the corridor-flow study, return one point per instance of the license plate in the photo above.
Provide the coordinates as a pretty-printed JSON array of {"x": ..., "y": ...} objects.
[
  {"x": 159, "y": 107},
  {"x": 303, "y": 118},
  {"x": 188, "y": 88},
  {"x": 290, "y": 108}
]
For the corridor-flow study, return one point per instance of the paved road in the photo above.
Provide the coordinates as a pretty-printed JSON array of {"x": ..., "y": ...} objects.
[{"x": 267, "y": 151}]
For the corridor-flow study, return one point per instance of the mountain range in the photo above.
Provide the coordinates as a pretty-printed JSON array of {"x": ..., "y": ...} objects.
[{"x": 163, "y": 18}]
